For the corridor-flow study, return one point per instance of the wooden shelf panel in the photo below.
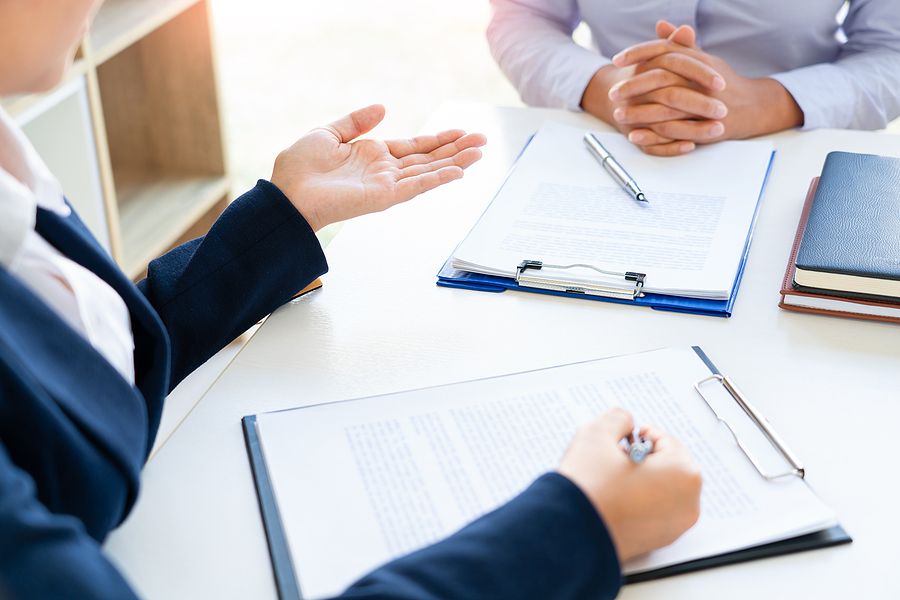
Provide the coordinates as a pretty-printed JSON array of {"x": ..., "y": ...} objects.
[
  {"x": 155, "y": 212},
  {"x": 160, "y": 101},
  {"x": 120, "y": 23}
]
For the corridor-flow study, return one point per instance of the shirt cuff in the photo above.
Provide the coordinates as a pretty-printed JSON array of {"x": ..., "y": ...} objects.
[
  {"x": 824, "y": 93},
  {"x": 575, "y": 67}
]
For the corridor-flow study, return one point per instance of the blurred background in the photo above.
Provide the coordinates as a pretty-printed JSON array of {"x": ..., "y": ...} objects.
[{"x": 287, "y": 66}]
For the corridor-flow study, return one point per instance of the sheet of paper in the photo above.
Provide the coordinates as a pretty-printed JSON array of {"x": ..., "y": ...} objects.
[
  {"x": 358, "y": 483},
  {"x": 561, "y": 207}
]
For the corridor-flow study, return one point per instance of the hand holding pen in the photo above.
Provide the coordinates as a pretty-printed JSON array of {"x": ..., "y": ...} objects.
[
  {"x": 638, "y": 448},
  {"x": 644, "y": 506}
]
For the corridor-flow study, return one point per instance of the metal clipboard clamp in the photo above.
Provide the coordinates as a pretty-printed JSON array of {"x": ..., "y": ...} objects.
[
  {"x": 763, "y": 425},
  {"x": 607, "y": 291}
]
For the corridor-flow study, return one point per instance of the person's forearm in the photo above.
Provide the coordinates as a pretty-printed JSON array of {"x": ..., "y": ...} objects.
[
  {"x": 257, "y": 255},
  {"x": 535, "y": 50},
  {"x": 596, "y": 96},
  {"x": 767, "y": 109},
  {"x": 548, "y": 542},
  {"x": 861, "y": 91}
]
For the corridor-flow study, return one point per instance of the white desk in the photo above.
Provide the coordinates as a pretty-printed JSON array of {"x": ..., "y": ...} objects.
[{"x": 831, "y": 387}]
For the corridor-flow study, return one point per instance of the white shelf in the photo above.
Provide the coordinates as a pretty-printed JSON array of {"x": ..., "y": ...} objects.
[
  {"x": 60, "y": 128},
  {"x": 134, "y": 134},
  {"x": 120, "y": 23}
]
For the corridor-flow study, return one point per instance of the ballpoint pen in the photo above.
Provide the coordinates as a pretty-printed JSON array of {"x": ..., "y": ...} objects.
[{"x": 614, "y": 168}]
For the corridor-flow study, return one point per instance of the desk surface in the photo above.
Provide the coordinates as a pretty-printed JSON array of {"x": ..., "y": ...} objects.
[{"x": 380, "y": 325}]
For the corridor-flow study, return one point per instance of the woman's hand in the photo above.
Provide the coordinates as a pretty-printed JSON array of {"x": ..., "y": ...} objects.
[
  {"x": 328, "y": 179},
  {"x": 644, "y": 506}
]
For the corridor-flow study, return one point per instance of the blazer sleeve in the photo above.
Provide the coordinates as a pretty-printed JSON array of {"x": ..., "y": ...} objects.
[
  {"x": 258, "y": 254},
  {"x": 45, "y": 555},
  {"x": 549, "y": 543}
]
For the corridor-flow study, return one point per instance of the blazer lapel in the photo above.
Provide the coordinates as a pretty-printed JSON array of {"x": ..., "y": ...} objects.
[
  {"x": 151, "y": 355},
  {"x": 47, "y": 353}
]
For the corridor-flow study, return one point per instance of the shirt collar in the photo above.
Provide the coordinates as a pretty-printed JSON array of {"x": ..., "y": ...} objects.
[{"x": 25, "y": 184}]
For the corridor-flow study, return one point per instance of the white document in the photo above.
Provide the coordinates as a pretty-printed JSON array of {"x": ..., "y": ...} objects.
[
  {"x": 561, "y": 207},
  {"x": 361, "y": 482}
]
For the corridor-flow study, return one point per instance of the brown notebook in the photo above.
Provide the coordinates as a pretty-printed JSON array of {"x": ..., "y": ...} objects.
[{"x": 836, "y": 305}]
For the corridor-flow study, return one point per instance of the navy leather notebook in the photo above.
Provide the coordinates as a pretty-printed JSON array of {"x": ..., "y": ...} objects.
[{"x": 851, "y": 244}]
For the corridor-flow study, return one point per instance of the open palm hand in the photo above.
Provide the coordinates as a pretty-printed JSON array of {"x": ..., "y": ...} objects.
[{"x": 329, "y": 179}]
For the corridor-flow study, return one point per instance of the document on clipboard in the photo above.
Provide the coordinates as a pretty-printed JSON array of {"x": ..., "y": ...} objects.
[
  {"x": 345, "y": 487},
  {"x": 561, "y": 224}
]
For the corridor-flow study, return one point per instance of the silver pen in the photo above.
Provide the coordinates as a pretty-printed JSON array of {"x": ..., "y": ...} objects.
[{"x": 615, "y": 169}]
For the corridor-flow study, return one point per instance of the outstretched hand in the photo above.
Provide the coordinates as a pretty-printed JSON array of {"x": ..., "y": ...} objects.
[
  {"x": 329, "y": 179},
  {"x": 644, "y": 506}
]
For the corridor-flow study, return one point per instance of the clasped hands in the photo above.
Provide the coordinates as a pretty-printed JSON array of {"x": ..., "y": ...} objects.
[{"x": 667, "y": 95}]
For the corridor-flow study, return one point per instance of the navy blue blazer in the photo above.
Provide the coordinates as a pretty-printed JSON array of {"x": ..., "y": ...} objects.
[{"x": 74, "y": 434}]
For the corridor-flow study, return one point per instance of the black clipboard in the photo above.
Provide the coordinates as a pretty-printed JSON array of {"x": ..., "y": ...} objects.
[{"x": 286, "y": 580}]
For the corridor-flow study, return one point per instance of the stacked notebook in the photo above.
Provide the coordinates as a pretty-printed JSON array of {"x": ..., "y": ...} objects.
[{"x": 846, "y": 255}]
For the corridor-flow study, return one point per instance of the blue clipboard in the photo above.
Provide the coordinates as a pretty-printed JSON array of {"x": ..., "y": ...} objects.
[{"x": 465, "y": 280}]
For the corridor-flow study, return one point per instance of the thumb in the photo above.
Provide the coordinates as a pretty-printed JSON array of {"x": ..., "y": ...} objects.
[
  {"x": 357, "y": 123},
  {"x": 615, "y": 424},
  {"x": 664, "y": 29},
  {"x": 684, "y": 35}
]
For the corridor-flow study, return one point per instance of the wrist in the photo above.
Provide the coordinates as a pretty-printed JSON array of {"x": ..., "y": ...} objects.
[
  {"x": 307, "y": 213},
  {"x": 789, "y": 114},
  {"x": 774, "y": 109},
  {"x": 595, "y": 99}
]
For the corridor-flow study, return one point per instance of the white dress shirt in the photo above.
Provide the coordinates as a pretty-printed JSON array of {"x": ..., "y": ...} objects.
[
  {"x": 83, "y": 300},
  {"x": 842, "y": 77}
]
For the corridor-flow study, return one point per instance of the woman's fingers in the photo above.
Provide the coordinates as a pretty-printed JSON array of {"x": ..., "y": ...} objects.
[
  {"x": 427, "y": 151},
  {"x": 463, "y": 159},
  {"x": 410, "y": 187},
  {"x": 423, "y": 144},
  {"x": 440, "y": 145},
  {"x": 357, "y": 123}
]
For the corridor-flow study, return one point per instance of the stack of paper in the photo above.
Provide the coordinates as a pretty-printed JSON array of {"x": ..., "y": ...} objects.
[
  {"x": 358, "y": 483},
  {"x": 560, "y": 206}
]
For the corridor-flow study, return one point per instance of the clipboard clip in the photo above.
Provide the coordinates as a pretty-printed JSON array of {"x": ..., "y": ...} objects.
[
  {"x": 763, "y": 425},
  {"x": 606, "y": 291}
]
